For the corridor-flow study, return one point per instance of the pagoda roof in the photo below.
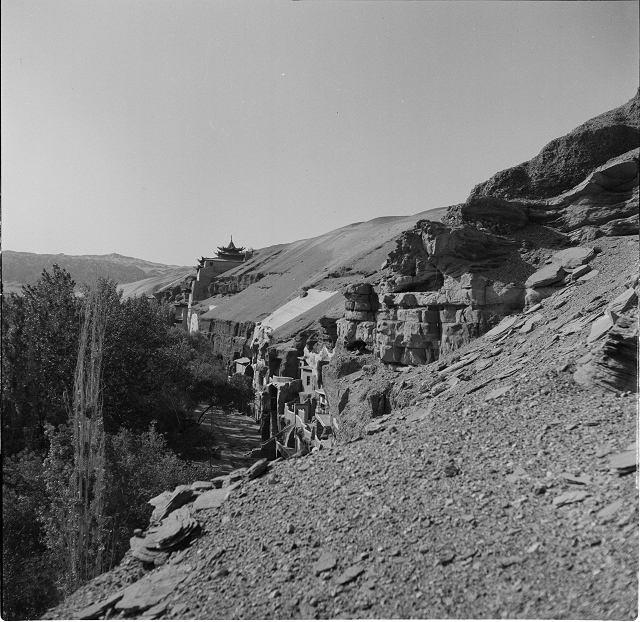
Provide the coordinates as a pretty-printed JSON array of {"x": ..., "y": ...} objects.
[{"x": 231, "y": 248}]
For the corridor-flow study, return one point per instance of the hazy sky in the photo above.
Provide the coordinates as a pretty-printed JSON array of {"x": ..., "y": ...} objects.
[{"x": 158, "y": 128}]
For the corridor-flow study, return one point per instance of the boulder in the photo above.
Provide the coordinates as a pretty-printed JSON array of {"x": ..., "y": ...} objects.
[
  {"x": 512, "y": 294},
  {"x": 547, "y": 275},
  {"x": 571, "y": 258}
]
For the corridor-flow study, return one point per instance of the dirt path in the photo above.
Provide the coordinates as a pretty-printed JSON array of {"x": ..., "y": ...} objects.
[{"x": 236, "y": 435}]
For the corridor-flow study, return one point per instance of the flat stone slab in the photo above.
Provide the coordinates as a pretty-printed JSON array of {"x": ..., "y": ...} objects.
[
  {"x": 567, "y": 498},
  {"x": 420, "y": 415},
  {"x": 350, "y": 574},
  {"x": 151, "y": 589},
  {"x": 483, "y": 364},
  {"x": 166, "y": 502},
  {"x": 580, "y": 271},
  {"x": 178, "y": 526},
  {"x": 600, "y": 327},
  {"x": 229, "y": 489},
  {"x": 210, "y": 499},
  {"x": 583, "y": 480},
  {"x": 326, "y": 562},
  {"x": 589, "y": 275},
  {"x": 257, "y": 468},
  {"x": 624, "y": 462},
  {"x": 201, "y": 486},
  {"x": 610, "y": 511},
  {"x": 93, "y": 612},
  {"x": 528, "y": 325},
  {"x": 503, "y": 327},
  {"x": 374, "y": 428},
  {"x": 570, "y": 258},
  {"x": 499, "y": 392},
  {"x": 623, "y": 302},
  {"x": 533, "y": 309},
  {"x": 546, "y": 276},
  {"x": 460, "y": 364}
]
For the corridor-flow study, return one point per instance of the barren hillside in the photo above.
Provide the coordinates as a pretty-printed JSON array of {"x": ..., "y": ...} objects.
[
  {"x": 25, "y": 268},
  {"x": 482, "y": 398},
  {"x": 498, "y": 498}
]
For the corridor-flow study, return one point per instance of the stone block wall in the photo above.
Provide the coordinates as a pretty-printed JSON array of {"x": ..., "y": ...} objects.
[{"x": 416, "y": 328}]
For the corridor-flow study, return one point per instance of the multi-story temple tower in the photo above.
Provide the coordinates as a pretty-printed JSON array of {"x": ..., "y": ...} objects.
[{"x": 208, "y": 268}]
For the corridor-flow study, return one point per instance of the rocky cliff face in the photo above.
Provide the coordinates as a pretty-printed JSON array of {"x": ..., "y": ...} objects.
[
  {"x": 228, "y": 285},
  {"x": 447, "y": 284},
  {"x": 230, "y": 339},
  {"x": 566, "y": 161},
  {"x": 604, "y": 203},
  {"x": 432, "y": 298}
]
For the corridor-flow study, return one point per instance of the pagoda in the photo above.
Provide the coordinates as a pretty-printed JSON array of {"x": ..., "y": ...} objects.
[{"x": 231, "y": 252}]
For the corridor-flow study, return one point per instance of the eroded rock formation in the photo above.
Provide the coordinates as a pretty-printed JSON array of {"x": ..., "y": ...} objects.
[
  {"x": 432, "y": 299},
  {"x": 228, "y": 285},
  {"x": 230, "y": 339},
  {"x": 613, "y": 363},
  {"x": 567, "y": 160},
  {"x": 438, "y": 289}
]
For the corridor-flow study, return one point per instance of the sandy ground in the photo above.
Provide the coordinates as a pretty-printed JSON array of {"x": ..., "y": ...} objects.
[{"x": 235, "y": 436}]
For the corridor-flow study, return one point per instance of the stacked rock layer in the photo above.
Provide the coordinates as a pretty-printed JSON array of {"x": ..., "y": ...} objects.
[
  {"x": 432, "y": 300},
  {"x": 435, "y": 293}
]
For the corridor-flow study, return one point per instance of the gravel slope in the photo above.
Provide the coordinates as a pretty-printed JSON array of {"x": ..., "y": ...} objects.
[{"x": 452, "y": 509}]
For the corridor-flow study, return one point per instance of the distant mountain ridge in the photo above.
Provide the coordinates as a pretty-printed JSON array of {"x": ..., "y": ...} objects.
[{"x": 20, "y": 268}]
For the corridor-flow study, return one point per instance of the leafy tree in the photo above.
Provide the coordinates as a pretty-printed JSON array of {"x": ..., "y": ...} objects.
[
  {"x": 150, "y": 372},
  {"x": 242, "y": 392},
  {"x": 28, "y": 575},
  {"x": 39, "y": 345}
]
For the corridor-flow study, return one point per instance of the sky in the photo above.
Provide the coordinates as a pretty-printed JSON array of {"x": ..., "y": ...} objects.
[{"x": 158, "y": 129}]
